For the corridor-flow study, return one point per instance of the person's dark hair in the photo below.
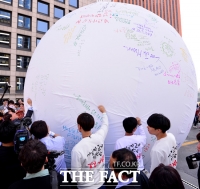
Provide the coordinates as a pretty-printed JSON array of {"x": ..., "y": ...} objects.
[
  {"x": 22, "y": 104},
  {"x": 7, "y": 116},
  {"x": 198, "y": 136},
  {"x": 7, "y": 131},
  {"x": 125, "y": 161},
  {"x": 5, "y": 100},
  {"x": 17, "y": 104},
  {"x": 129, "y": 124},
  {"x": 159, "y": 121},
  {"x": 1, "y": 114},
  {"x": 165, "y": 177},
  {"x": 11, "y": 102},
  {"x": 11, "y": 109},
  {"x": 86, "y": 121},
  {"x": 33, "y": 156},
  {"x": 39, "y": 129}
]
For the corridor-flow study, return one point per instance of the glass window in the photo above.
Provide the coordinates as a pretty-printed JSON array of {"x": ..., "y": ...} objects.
[
  {"x": 59, "y": 12},
  {"x": 4, "y": 79},
  {"x": 24, "y": 22},
  {"x": 22, "y": 62},
  {"x": 6, "y": 1},
  {"x": 43, "y": 7},
  {"x": 37, "y": 41},
  {"x": 73, "y": 3},
  {"x": 25, "y": 4},
  {"x": 62, "y": 1},
  {"x": 20, "y": 83},
  {"x": 23, "y": 42},
  {"x": 4, "y": 60},
  {"x": 5, "y": 17},
  {"x": 42, "y": 26},
  {"x": 4, "y": 39}
]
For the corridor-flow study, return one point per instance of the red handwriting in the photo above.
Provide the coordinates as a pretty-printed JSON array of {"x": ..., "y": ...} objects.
[
  {"x": 174, "y": 163},
  {"x": 94, "y": 163},
  {"x": 138, "y": 156},
  {"x": 146, "y": 147}
]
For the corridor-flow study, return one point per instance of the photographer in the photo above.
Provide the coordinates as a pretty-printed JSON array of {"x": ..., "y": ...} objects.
[
  {"x": 33, "y": 156},
  {"x": 52, "y": 141},
  {"x": 10, "y": 168}
]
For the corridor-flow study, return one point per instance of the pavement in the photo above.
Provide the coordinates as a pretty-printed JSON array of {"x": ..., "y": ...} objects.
[{"x": 189, "y": 176}]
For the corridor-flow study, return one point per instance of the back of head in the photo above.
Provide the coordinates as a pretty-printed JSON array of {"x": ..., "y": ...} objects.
[
  {"x": 33, "y": 156},
  {"x": 125, "y": 161},
  {"x": 86, "y": 121},
  {"x": 159, "y": 121},
  {"x": 11, "y": 102},
  {"x": 39, "y": 129},
  {"x": 7, "y": 131},
  {"x": 165, "y": 177},
  {"x": 129, "y": 124}
]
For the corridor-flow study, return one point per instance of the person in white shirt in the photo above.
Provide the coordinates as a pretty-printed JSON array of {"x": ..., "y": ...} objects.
[
  {"x": 88, "y": 154},
  {"x": 53, "y": 142},
  {"x": 164, "y": 149},
  {"x": 133, "y": 142}
]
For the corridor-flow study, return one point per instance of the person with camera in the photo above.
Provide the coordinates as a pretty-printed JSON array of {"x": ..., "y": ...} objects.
[
  {"x": 33, "y": 157},
  {"x": 10, "y": 168},
  {"x": 40, "y": 130}
]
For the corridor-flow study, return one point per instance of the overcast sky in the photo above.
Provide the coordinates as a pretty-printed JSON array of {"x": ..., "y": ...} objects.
[{"x": 190, "y": 20}]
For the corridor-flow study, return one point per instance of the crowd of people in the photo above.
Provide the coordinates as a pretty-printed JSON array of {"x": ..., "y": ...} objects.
[{"x": 28, "y": 168}]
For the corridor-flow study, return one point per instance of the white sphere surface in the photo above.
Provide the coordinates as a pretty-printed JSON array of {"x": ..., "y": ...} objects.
[{"x": 121, "y": 56}]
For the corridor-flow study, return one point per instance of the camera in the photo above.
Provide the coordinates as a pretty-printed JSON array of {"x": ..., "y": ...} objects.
[
  {"x": 22, "y": 134},
  {"x": 51, "y": 159},
  {"x": 192, "y": 160}
]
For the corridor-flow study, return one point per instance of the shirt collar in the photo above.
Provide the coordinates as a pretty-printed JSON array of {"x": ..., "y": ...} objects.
[
  {"x": 41, "y": 173},
  {"x": 120, "y": 184}
]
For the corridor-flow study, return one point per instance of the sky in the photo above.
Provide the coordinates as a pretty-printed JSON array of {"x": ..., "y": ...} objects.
[{"x": 190, "y": 16}]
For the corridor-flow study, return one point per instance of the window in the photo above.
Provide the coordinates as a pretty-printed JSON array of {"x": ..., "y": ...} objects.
[
  {"x": 43, "y": 7},
  {"x": 4, "y": 39},
  {"x": 6, "y": 1},
  {"x": 24, "y": 22},
  {"x": 73, "y": 3},
  {"x": 42, "y": 26},
  {"x": 22, "y": 62},
  {"x": 23, "y": 42},
  {"x": 59, "y": 12},
  {"x": 20, "y": 83},
  {"x": 26, "y": 4},
  {"x": 4, "y": 79},
  {"x": 62, "y": 1},
  {"x": 4, "y": 60},
  {"x": 5, "y": 17},
  {"x": 37, "y": 41}
]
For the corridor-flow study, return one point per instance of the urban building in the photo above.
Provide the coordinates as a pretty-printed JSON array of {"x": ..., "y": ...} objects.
[{"x": 24, "y": 22}]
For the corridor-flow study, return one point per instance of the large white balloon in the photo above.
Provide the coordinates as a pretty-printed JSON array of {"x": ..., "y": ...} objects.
[{"x": 121, "y": 56}]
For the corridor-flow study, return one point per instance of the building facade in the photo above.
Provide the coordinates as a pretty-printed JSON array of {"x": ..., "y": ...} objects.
[{"x": 24, "y": 22}]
